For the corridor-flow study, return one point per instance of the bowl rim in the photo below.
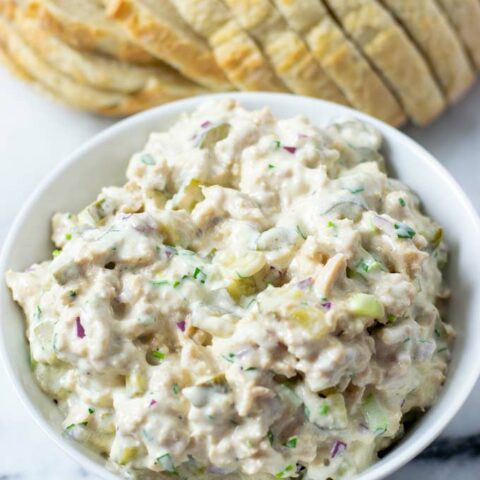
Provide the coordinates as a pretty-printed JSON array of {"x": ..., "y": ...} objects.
[{"x": 376, "y": 471}]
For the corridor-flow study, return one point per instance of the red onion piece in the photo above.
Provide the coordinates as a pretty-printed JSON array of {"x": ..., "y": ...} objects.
[
  {"x": 205, "y": 124},
  {"x": 291, "y": 150},
  {"x": 383, "y": 224},
  {"x": 327, "y": 305},
  {"x": 338, "y": 448},
  {"x": 181, "y": 325},
  {"x": 304, "y": 284},
  {"x": 80, "y": 329}
]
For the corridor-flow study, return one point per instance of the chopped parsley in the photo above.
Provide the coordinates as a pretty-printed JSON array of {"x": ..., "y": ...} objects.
[
  {"x": 68, "y": 236},
  {"x": 159, "y": 283},
  {"x": 356, "y": 190},
  {"x": 72, "y": 425},
  {"x": 199, "y": 275},
  {"x": 324, "y": 408},
  {"x": 331, "y": 224},
  {"x": 229, "y": 357},
  {"x": 391, "y": 317},
  {"x": 175, "y": 389},
  {"x": 404, "y": 231},
  {"x": 91, "y": 410},
  {"x": 270, "y": 166},
  {"x": 159, "y": 355},
  {"x": 176, "y": 283},
  {"x": 72, "y": 294},
  {"x": 276, "y": 144},
  {"x": 291, "y": 442},
  {"x": 401, "y": 201},
  {"x": 56, "y": 252},
  {"x": 285, "y": 472},
  {"x": 270, "y": 437}
]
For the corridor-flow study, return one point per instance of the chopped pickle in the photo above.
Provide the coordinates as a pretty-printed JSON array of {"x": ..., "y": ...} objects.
[
  {"x": 214, "y": 134},
  {"x": 241, "y": 264},
  {"x": 241, "y": 287},
  {"x": 365, "y": 305},
  {"x": 128, "y": 454},
  {"x": 310, "y": 319},
  {"x": 136, "y": 384}
]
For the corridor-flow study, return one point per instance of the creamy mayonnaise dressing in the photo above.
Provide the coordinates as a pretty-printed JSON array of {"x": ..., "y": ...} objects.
[{"x": 259, "y": 299}]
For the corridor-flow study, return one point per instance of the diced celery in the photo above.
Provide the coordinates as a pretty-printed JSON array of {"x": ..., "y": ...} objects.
[
  {"x": 368, "y": 264},
  {"x": 375, "y": 415},
  {"x": 166, "y": 462},
  {"x": 42, "y": 335},
  {"x": 64, "y": 270},
  {"x": 288, "y": 395},
  {"x": 365, "y": 305}
]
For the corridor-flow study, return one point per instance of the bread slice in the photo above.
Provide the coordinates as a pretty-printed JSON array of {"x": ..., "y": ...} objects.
[
  {"x": 84, "y": 25},
  {"x": 394, "y": 55},
  {"x": 159, "y": 28},
  {"x": 235, "y": 51},
  {"x": 436, "y": 39},
  {"x": 92, "y": 69},
  {"x": 342, "y": 60},
  {"x": 75, "y": 94},
  {"x": 465, "y": 18},
  {"x": 289, "y": 55}
]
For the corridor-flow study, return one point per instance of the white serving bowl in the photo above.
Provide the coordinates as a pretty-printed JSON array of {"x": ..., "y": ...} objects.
[{"x": 102, "y": 161}]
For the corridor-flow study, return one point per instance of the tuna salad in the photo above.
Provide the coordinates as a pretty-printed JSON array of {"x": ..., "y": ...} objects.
[{"x": 259, "y": 300}]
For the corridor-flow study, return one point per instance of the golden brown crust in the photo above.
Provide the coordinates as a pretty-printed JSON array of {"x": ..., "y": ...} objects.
[
  {"x": 98, "y": 71},
  {"x": 158, "y": 28},
  {"x": 438, "y": 42},
  {"x": 236, "y": 53},
  {"x": 394, "y": 55},
  {"x": 83, "y": 25},
  {"x": 80, "y": 96},
  {"x": 290, "y": 57},
  {"x": 338, "y": 56},
  {"x": 465, "y": 17}
]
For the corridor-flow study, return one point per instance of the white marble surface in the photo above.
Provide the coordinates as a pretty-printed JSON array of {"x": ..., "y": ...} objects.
[{"x": 36, "y": 134}]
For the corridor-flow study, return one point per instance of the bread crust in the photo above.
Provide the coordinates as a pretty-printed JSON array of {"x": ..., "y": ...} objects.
[
  {"x": 80, "y": 96},
  {"x": 235, "y": 51},
  {"x": 438, "y": 42},
  {"x": 160, "y": 29},
  {"x": 94, "y": 70},
  {"x": 343, "y": 61},
  {"x": 465, "y": 18},
  {"x": 394, "y": 55},
  {"x": 287, "y": 52},
  {"x": 91, "y": 31}
]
